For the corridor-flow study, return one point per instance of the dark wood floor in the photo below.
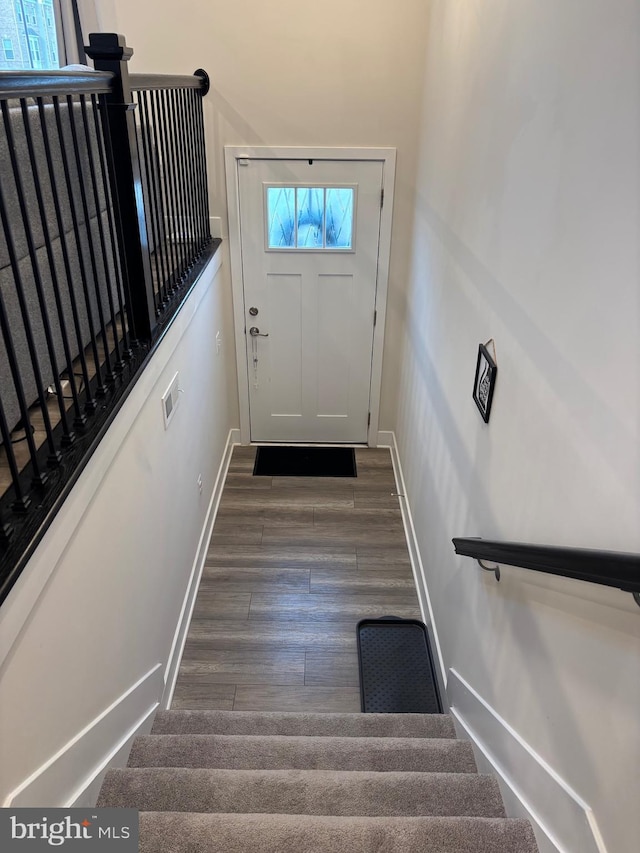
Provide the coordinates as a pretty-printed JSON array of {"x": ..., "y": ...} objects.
[{"x": 293, "y": 564}]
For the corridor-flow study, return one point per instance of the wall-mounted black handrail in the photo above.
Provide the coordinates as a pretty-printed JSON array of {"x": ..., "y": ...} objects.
[{"x": 609, "y": 568}]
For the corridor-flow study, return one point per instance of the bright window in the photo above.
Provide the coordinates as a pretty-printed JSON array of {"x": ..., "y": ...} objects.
[
  {"x": 30, "y": 14},
  {"x": 29, "y": 34},
  {"x": 34, "y": 49},
  {"x": 310, "y": 217}
]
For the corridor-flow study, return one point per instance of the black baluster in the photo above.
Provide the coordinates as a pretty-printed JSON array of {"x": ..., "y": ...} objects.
[
  {"x": 204, "y": 186},
  {"x": 54, "y": 453},
  {"x": 194, "y": 104},
  {"x": 68, "y": 435},
  {"x": 187, "y": 154},
  {"x": 103, "y": 138},
  {"x": 119, "y": 364},
  {"x": 166, "y": 118},
  {"x": 157, "y": 196},
  {"x": 160, "y": 143},
  {"x": 22, "y": 500},
  {"x": 89, "y": 232},
  {"x": 80, "y": 418},
  {"x": 91, "y": 403},
  {"x": 150, "y": 209},
  {"x": 182, "y": 188}
]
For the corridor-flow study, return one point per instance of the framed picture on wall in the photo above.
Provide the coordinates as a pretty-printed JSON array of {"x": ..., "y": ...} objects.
[{"x": 485, "y": 381}]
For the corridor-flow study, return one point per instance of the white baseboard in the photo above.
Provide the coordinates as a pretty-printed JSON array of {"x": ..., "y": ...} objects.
[
  {"x": 530, "y": 787},
  {"x": 180, "y": 636},
  {"x": 385, "y": 438},
  {"x": 107, "y": 739},
  {"x": 388, "y": 439},
  {"x": 94, "y": 748},
  {"x": 215, "y": 224}
]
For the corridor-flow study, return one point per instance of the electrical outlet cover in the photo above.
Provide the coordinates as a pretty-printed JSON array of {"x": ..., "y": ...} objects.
[{"x": 170, "y": 400}]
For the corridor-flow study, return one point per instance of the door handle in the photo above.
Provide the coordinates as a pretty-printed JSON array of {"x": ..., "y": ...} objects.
[{"x": 255, "y": 332}]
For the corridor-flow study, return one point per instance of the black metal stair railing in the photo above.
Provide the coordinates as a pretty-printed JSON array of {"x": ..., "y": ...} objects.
[
  {"x": 104, "y": 228},
  {"x": 608, "y": 568},
  {"x": 170, "y": 139}
]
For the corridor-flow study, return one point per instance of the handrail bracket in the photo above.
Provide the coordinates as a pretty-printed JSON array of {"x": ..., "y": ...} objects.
[{"x": 494, "y": 569}]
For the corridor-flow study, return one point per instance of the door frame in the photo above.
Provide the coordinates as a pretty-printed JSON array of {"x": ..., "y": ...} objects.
[{"x": 387, "y": 156}]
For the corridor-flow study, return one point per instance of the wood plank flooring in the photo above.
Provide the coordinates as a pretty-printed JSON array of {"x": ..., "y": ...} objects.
[{"x": 293, "y": 564}]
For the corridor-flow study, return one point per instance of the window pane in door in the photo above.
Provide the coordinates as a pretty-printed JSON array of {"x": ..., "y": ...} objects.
[
  {"x": 339, "y": 217},
  {"x": 310, "y": 203},
  {"x": 281, "y": 210}
]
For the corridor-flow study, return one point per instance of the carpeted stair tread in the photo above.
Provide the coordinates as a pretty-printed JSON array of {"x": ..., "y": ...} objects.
[
  {"x": 277, "y": 833},
  {"x": 290, "y": 723},
  {"x": 238, "y": 782},
  {"x": 255, "y": 752},
  {"x": 313, "y": 792}
]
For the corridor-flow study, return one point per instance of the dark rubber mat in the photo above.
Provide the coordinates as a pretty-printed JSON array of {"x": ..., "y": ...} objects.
[
  {"x": 305, "y": 462},
  {"x": 396, "y": 668}
]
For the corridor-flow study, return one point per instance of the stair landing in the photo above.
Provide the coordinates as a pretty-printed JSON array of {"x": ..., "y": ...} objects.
[{"x": 293, "y": 564}]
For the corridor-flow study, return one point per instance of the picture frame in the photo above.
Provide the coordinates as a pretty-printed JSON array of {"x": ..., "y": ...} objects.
[{"x": 484, "y": 382}]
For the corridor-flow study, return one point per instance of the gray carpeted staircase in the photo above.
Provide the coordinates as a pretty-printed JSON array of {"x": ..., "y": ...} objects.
[{"x": 238, "y": 782}]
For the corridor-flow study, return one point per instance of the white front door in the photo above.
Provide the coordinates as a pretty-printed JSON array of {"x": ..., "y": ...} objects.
[{"x": 309, "y": 242}]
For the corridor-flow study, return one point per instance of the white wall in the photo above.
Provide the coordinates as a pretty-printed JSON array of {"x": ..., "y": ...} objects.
[
  {"x": 87, "y": 633},
  {"x": 287, "y": 73},
  {"x": 526, "y": 231}
]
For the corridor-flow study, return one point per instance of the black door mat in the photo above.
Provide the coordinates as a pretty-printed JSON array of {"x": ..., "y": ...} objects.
[
  {"x": 396, "y": 668},
  {"x": 305, "y": 462}
]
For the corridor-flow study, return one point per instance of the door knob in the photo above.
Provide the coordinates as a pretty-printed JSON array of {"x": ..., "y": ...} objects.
[{"x": 255, "y": 332}]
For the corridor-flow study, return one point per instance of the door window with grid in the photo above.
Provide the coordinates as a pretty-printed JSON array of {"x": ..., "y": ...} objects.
[{"x": 317, "y": 218}]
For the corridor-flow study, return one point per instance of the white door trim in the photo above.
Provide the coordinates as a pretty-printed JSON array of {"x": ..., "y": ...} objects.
[{"x": 233, "y": 153}]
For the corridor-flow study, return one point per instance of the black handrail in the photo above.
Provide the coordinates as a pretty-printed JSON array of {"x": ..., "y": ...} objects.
[
  {"x": 42, "y": 84},
  {"x": 608, "y": 568},
  {"x": 153, "y": 82}
]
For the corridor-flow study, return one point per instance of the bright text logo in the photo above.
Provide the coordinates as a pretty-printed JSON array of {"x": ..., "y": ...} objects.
[{"x": 32, "y": 830}]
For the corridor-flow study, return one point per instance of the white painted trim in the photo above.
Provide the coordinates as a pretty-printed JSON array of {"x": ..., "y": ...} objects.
[
  {"x": 180, "y": 636},
  {"x": 32, "y": 583},
  {"x": 302, "y": 444},
  {"x": 86, "y": 794},
  {"x": 215, "y": 225},
  {"x": 93, "y": 746},
  {"x": 382, "y": 287},
  {"x": 237, "y": 290},
  {"x": 416, "y": 561},
  {"x": 540, "y": 790},
  {"x": 233, "y": 153},
  {"x": 385, "y": 438},
  {"x": 302, "y": 152}
]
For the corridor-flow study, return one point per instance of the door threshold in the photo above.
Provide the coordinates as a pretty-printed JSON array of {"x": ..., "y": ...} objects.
[{"x": 306, "y": 444}]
